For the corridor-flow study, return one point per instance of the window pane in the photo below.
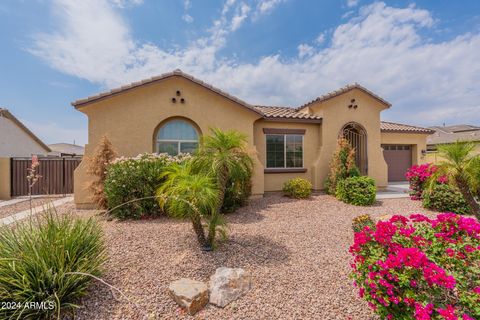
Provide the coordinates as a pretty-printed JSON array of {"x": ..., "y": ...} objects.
[
  {"x": 275, "y": 151},
  {"x": 168, "y": 147},
  {"x": 294, "y": 151},
  {"x": 177, "y": 130},
  {"x": 188, "y": 147}
]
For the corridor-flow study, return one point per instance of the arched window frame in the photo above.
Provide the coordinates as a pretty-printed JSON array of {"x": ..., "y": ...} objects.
[{"x": 179, "y": 143}]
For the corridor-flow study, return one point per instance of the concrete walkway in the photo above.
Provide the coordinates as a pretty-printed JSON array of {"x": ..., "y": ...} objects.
[
  {"x": 26, "y": 213},
  {"x": 394, "y": 190}
]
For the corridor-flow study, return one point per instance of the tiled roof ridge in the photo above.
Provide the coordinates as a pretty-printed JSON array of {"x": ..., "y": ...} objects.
[{"x": 399, "y": 127}]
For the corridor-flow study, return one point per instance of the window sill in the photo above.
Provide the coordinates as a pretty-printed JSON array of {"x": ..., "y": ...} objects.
[{"x": 285, "y": 170}]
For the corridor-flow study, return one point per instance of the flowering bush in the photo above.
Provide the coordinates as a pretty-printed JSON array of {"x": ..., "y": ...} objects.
[
  {"x": 445, "y": 198},
  {"x": 135, "y": 178},
  {"x": 420, "y": 268},
  {"x": 360, "y": 222},
  {"x": 417, "y": 176},
  {"x": 359, "y": 191}
]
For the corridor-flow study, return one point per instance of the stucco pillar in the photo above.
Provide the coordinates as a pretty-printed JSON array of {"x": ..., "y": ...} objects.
[
  {"x": 5, "y": 181},
  {"x": 258, "y": 179}
]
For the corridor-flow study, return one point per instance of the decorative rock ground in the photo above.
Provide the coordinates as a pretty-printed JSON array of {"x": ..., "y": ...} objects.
[
  {"x": 189, "y": 294},
  {"x": 228, "y": 284}
]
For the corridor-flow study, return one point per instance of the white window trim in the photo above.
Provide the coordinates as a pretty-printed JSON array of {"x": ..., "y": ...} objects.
[{"x": 284, "y": 150}]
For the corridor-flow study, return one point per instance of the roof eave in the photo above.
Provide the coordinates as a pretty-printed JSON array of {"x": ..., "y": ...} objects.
[{"x": 293, "y": 120}]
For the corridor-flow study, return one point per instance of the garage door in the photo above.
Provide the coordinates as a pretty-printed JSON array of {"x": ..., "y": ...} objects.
[{"x": 399, "y": 159}]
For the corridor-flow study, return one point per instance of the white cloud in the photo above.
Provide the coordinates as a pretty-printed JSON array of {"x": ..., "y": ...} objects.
[
  {"x": 126, "y": 3},
  {"x": 266, "y": 6},
  {"x": 352, "y": 3},
  {"x": 240, "y": 16},
  {"x": 187, "y": 18},
  {"x": 304, "y": 50},
  {"x": 321, "y": 38},
  {"x": 381, "y": 47}
]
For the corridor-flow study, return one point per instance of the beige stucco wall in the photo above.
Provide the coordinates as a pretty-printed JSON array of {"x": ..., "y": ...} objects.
[
  {"x": 130, "y": 121},
  {"x": 15, "y": 142},
  {"x": 336, "y": 114},
  {"x": 417, "y": 141},
  {"x": 5, "y": 179},
  {"x": 311, "y": 147}
]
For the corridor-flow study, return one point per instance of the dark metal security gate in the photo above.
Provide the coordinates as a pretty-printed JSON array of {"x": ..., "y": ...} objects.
[
  {"x": 56, "y": 175},
  {"x": 357, "y": 137}
]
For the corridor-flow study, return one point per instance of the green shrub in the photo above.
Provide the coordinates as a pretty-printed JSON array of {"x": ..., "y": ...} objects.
[
  {"x": 445, "y": 198},
  {"x": 359, "y": 191},
  {"x": 129, "y": 179},
  {"x": 342, "y": 166},
  {"x": 35, "y": 259},
  {"x": 361, "y": 222},
  {"x": 297, "y": 188},
  {"x": 237, "y": 193}
]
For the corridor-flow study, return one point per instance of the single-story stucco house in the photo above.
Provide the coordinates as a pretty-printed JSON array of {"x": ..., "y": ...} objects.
[
  {"x": 450, "y": 134},
  {"x": 170, "y": 112}
]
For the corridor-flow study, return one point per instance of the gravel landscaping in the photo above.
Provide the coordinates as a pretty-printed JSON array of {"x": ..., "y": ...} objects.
[
  {"x": 296, "y": 250},
  {"x": 24, "y": 205}
]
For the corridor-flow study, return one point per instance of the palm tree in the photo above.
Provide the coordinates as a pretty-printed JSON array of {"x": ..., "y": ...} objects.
[
  {"x": 463, "y": 170},
  {"x": 224, "y": 154},
  {"x": 189, "y": 194}
]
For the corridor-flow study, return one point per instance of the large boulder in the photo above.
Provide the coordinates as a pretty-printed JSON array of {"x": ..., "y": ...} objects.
[
  {"x": 228, "y": 284},
  {"x": 189, "y": 294}
]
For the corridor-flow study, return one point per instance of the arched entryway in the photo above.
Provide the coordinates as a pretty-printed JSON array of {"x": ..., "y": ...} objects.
[{"x": 357, "y": 136}]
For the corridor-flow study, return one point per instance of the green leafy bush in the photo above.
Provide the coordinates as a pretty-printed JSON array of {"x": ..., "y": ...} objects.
[
  {"x": 297, "y": 188},
  {"x": 237, "y": 193},
  {"x": 359, "y": 191},
  {"x": 445, "y": 198},
  {"x": 342, "y": 166},
  {"x": 132, "y": 179},
  {"x": 361, "y": 222},
  {"x": 36, "y": 258}
]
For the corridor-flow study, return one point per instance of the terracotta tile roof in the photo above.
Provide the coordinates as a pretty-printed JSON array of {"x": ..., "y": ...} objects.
[
  {"x": 7, "y": 114},
  {"x": 343, "y": 90},
  {"x": 402, "y": 128},
  {"x": 280, "y": 113}
]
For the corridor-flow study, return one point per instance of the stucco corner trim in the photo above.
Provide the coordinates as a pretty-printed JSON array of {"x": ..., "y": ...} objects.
[
  {"x": 283, "y": 131},
  {"x": 285, "y": 170}
]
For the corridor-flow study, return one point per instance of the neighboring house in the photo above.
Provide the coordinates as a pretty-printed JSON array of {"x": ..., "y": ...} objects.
[
  {"x": 170, "y": 112},
  {"x": 451, "y": 134},
  {"x": 66, "y": 150},
  {"x": 16, "y": 140}
]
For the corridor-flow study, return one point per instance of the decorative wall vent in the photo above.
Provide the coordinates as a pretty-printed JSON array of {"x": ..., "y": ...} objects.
[
  {"x": 178, "y": 93},
  {"x": 352, "y": 104}
]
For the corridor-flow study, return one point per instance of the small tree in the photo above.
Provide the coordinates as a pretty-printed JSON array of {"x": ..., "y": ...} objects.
[
  {"x": 97, "y": 167},
  {"x": 342, "y": 165},
  {"x": 462, "y": 168}
]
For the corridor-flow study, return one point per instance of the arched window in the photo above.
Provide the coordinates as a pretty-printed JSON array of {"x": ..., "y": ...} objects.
[{"x": 177, "y": 136}]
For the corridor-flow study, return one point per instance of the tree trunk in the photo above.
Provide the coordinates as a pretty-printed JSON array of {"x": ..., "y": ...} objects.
[
  {"x": 465, "y": 190},
  {"x": 198, "y": 228},
  {"x": 212, "y": 228}
]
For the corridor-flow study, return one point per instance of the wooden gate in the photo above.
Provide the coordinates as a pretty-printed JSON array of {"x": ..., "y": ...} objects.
[{"x": 56, "y": 175}]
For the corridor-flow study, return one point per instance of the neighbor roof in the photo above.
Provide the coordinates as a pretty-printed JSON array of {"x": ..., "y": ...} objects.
[
  {"x": 67, "y": 148},
  {"x": 403, "y": 128},
  {"x": 451, "y": 134},
  {"x": 344, "y": 89},
  {"x": 7, "y": 114}
]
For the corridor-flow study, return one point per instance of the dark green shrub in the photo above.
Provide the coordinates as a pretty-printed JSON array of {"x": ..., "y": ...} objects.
[
  {"x": 297, "y": 188},
  {"x": 36, "y": 258},
  {"x": 237, "y": 193},
  {"x": 131, "y": 179},
  {"x": 359, "y": 191},
  {"x": 445, "y": 198}
]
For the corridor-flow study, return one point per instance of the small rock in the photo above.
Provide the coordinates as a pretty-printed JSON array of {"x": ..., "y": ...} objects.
[
  {"x": 228, "y": 284},
  {"x": 189, "y": 294}
]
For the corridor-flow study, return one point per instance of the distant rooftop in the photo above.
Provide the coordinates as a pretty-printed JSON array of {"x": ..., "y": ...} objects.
[
  {"x": 66, "y": 149},
  {"x": 450, "y": 134}
]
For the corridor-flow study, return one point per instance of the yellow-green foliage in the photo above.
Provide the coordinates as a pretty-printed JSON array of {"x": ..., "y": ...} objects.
[
  {"x": 359, "y": 222},
  {"x": 297, "y": 188}
]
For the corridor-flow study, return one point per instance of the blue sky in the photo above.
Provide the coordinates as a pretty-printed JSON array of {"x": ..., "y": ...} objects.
[{"x": 422, "y": 56}]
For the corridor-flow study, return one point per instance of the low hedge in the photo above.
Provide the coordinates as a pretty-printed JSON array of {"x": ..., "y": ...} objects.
[
  {"x": 39, "y": 261},
  {"x": 445, "y": 198},
  {"x": 359, "y": 191},
  {"x": 297, "y": 188},
  {"x": 129, "y": 179}
]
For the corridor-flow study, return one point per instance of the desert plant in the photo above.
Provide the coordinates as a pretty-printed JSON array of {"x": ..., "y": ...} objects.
[
  {"x": 36, "y": 258},
  {"x": 223, "y": 154},
  {"x": 342, "y": 165},
  {"x": 417, "y": 176},
  {"x": 445, "y": 198},
  {"x": 462, "y": 169},
  {"x": 98, "y": 163},
  {"x": 237, "y": 193},
  {"x": 420, "y": 268},
  {"x": 362, "y": 221},
  {"x": 186, "y": 193},
  {"x": 297, "y": 188},
  {"x": 136, "y": 178},
  {"x": 359, "y": 191}
]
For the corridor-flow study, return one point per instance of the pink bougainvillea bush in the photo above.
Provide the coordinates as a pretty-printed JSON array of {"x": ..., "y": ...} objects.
[
  {"x": 417, "y": 175},
  {"x": 420, "y": 268}
]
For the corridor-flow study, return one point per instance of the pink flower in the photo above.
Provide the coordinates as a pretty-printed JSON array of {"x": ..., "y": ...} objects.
[
  {"x": 448, "y": 313},
  {"x": 423, "y": 313}
]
